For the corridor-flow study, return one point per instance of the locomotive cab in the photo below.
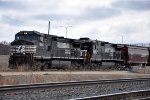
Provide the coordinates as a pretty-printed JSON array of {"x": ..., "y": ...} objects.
[{"x": 86, "y": 49}]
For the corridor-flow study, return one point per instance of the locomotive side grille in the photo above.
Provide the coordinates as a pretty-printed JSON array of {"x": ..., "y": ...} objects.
[{"x": 23, "y": 49}]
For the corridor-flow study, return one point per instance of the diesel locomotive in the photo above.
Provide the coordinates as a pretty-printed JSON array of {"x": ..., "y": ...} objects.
[{"x": 43, "y": 51}]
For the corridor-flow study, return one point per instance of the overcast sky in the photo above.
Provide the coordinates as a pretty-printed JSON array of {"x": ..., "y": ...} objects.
[{"x": 106, "y": 20}]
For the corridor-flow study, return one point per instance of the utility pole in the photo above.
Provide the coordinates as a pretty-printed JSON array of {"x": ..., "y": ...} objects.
[
  {"x": 49, "y": 25},
  {"x": 66, "y": 31},
  {"x": 66, "y": 28},
  {"x": 122, "y": 39}
]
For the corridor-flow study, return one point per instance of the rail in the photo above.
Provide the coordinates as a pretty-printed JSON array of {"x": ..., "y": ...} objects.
[{"x": 138, "y": 95}]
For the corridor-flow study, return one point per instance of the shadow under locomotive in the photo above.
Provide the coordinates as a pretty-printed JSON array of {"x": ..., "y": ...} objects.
[{"x": 43, "y": 51}]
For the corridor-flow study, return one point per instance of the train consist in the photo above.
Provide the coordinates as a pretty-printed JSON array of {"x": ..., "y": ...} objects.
[{"x": 42, "y": 51}]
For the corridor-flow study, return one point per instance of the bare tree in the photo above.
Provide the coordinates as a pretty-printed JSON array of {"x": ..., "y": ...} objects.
[{"x": 4, "y": 48}]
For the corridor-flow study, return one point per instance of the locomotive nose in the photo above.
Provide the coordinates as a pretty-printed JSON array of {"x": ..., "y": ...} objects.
[{"x": 22, "y": 46}]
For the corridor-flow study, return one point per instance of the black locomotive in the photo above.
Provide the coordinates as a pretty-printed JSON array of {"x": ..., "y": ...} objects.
[{"x": 42, "y": 51}]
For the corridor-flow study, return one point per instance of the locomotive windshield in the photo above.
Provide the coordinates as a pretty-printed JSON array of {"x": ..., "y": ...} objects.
[
  {"x": 84, "y": 46},
  {"x": 29, "y": 37}
]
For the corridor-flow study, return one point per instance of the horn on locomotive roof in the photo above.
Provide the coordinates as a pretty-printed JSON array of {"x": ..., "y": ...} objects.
[{"x": 49, "y": 25}]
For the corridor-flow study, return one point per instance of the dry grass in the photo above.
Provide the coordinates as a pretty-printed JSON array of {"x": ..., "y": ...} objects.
[
  {"x": 7, "y": 80},
  {"x": 4, "y": 62},
  {"x": 22, "y": 68},
  {"x": 145, "y": 70},
  {"x": 46, "y": 78}
]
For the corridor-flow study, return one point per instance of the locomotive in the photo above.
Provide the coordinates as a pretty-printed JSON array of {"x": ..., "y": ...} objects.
[{"x": 43, "y": 51}]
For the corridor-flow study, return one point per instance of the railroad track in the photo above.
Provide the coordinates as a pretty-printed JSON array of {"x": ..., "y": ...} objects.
[
  {"x": 132, "y": 95},
  {"x": 73, "y": 90}
]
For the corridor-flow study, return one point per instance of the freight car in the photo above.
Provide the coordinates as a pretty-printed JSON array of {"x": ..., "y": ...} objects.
[
  {"x": 135, "y": 55},
  {"x": 41, "y": 51}
]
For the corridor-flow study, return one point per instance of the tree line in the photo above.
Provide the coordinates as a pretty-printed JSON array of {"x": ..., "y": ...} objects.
[{"x": 4, "y": 48}]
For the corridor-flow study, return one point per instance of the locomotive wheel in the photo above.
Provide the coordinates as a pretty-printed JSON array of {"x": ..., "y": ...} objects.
[
  {"x": 77, "y": 65},
  {"x": 33, "y": 67},
  {"x": 44, "y": 66},
  {"x": 93, "y": 66},
  {"x": 37, "y": 66}
]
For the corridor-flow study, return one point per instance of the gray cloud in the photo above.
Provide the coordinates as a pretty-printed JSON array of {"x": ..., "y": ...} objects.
[
  {"x": 93, "y": 34},
  {"x": 128, "y": 29},
  {"x": 12, "y": 20},
  {"x": 99, "y": 13},
  {"x": 15, "y": 5},
  {"x": 49, "y": 17},
  {"x": 138, "y": 5},
  {"x": 87, "y": 14}
]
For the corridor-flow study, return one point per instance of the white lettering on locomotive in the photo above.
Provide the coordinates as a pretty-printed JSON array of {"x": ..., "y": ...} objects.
[{"x": 20, "y": 49}]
